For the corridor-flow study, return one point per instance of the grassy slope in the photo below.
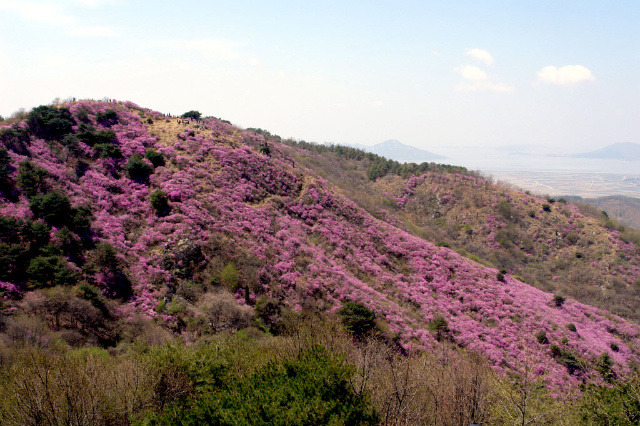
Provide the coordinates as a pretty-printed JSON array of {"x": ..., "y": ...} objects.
[{"x": 625, "y": 210}]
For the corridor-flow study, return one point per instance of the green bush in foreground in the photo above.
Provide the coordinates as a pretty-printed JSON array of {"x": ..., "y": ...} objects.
[
  {"x": 616, "y": 404},
  {"x": 312, "y": 389}
]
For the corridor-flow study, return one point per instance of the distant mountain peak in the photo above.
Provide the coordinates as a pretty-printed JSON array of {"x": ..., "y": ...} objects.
[
  {"x": 396, "y": 150},
  {"x": 628, "y": 151}
]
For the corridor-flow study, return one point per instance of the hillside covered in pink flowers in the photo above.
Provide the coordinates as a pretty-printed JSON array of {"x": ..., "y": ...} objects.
[{"x": 147, "y": 215}]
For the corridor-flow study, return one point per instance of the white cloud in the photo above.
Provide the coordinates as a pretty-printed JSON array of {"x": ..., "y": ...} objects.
[
  {"x": 481, "y": 55},
  {"x": 48, "y": 13},
  {"x": 53, "y": 13},
  {"x": 566, "y": 75},
  {"x": 476, "y": 80},
  {"x": 377, "y": 103},
  {"x": 471, "y": 72}
]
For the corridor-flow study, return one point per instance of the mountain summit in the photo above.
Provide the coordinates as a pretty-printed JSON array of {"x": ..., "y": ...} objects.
[
  {"x": 628, "y": 151},
  {"x": 396, "y": 150}
]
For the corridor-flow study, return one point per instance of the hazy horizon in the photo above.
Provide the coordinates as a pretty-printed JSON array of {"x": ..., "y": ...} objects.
[{"x": 543, "y": 172}]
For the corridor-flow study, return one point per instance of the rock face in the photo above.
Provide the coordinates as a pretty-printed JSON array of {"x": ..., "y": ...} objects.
[{"x": 260, "y": 225}]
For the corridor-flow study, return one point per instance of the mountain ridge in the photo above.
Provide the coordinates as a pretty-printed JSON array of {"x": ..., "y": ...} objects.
[
  {"x": 628, "y": 151},
  {"x": 624, "y": 209}
]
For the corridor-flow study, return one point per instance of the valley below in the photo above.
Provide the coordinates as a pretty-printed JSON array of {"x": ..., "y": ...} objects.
[
  {"x": 559, "y": 183},
  {"x": 541, "y": 170}
]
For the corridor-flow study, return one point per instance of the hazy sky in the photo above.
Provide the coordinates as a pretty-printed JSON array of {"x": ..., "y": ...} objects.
[{"x": 429, "y": 73}]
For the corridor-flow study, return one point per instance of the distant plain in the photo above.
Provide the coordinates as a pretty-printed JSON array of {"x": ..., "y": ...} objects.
[{"x": 553, "y": 175}]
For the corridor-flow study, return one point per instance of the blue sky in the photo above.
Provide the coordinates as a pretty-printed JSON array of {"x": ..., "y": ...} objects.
[{"x": 564, "y": 73}]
